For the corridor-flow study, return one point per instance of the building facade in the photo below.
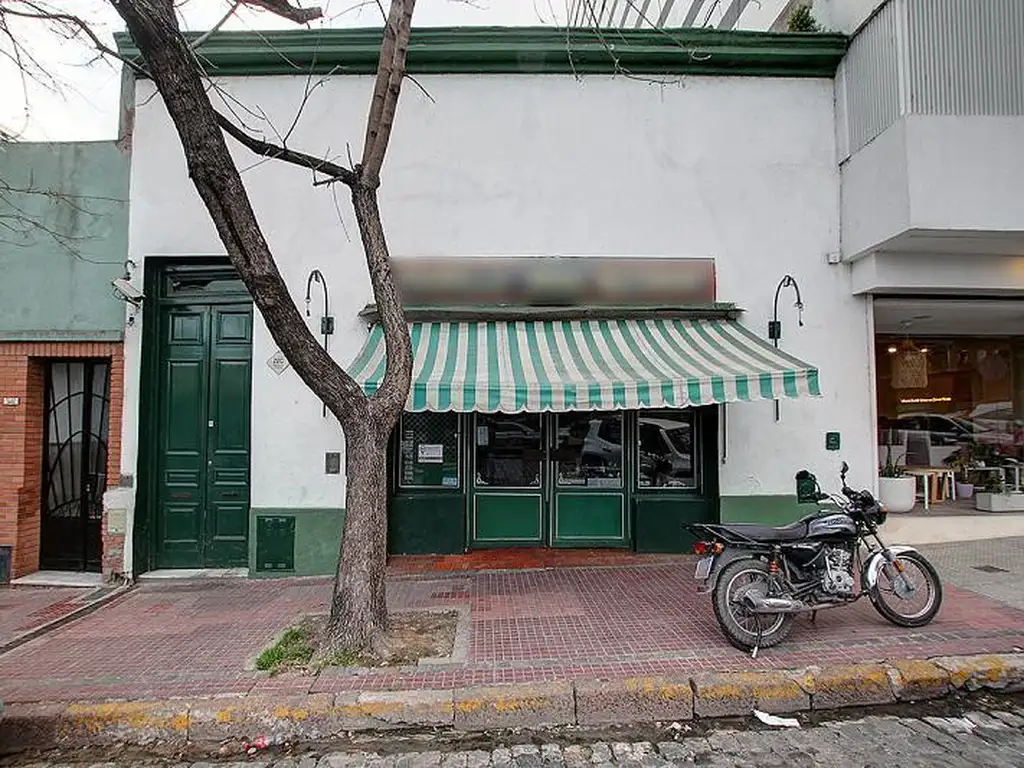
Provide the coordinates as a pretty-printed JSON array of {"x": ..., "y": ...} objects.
[
  {"x": 64, "y": 216},
  {"x": 930, "y": 112},
  {"x": 592, "y": 423},
  {"x": 593, "y": 250}
]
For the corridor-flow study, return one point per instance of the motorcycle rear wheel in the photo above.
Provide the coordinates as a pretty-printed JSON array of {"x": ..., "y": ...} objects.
[
  {"x": 739, "y": 625},
  {"x": 891, "y": 613}
]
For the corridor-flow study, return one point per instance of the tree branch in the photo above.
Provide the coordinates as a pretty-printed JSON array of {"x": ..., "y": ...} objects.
[
  {"x": 333, "y": 171},
  {"x": 390, "y": 72},
  {"x": 286, "y": 10},
  {"x": 212, "y": 30},
  {"x": 154, "y": 28}
]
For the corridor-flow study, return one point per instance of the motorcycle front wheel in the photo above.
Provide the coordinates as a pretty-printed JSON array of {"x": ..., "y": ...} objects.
[
  {"x": 908, "y": 596},
  {"x": 738, "y": 623}
]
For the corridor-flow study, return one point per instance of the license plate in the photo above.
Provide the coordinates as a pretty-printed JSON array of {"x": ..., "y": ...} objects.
[{"x": 704, "y": 568}]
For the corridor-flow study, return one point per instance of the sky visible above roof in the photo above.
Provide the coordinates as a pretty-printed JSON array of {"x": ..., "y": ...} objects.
[
  {"x": 78, "y": 101},
  {"x": 81, "y": 102}
]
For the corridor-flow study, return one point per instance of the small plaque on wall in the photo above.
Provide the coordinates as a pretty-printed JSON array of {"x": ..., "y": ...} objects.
[
  {"x": 117, "y": 521},
  {"x": 332, "y": 463},
  {"x": 832, "y": 441}
]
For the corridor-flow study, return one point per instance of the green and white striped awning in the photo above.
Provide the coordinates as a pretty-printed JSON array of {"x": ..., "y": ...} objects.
[{"x": 582, "y": 365}]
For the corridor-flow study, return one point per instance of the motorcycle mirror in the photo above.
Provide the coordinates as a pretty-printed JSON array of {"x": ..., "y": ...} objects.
[{"x": 843, "y": 469}]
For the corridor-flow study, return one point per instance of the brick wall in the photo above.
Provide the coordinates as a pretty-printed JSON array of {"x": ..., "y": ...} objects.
[{"x": 21, "y": 444}]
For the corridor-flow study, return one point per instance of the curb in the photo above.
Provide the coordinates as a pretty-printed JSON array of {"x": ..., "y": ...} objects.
[
  {"x": 321, "y": 716},
  {"x": 67, "y": 618}
]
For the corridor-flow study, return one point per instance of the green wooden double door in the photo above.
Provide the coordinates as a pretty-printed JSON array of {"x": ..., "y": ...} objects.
[
  {"x": 200, "y": 453},
  {"x": 548, "y": 480}
]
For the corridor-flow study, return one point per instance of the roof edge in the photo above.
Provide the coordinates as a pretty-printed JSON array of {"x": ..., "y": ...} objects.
[{"x": 522, "y": 50}]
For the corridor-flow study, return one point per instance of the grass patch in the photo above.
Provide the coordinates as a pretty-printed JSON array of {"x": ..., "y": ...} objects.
[
  {"x": 344, "y": 658},
  {"x": 294, "y": 649}
]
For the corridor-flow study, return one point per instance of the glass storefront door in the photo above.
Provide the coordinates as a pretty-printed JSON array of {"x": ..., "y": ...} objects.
[
  {"x": 509, "y": 460},
  {"x": 548, "y": 480}
]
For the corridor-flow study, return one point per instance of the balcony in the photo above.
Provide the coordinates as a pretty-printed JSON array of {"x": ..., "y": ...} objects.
[{"x": 930, "y": 134}]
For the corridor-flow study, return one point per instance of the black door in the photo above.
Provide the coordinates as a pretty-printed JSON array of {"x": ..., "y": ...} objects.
[{"x": 75, "y": 464}]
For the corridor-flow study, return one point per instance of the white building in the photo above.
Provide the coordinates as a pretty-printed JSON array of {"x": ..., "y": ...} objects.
[{"x": 759, "y": 158}]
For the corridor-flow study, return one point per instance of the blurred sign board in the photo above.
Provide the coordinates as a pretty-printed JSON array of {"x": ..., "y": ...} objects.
[{"x": 575, "y": 281}]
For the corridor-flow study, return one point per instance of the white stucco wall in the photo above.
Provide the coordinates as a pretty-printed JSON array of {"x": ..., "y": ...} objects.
[
  {"x": 935, "y": 172},
  {"x": 739, "y": 169}
]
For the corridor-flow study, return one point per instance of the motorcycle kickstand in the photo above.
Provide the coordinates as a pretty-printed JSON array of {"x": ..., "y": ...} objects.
[
  {"x": 814, "y": 617},
  {"x": 757, "y": 640}
]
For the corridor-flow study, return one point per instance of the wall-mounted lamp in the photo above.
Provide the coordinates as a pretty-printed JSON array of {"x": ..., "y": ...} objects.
[
  {"x": 326, "y": 320},
  {"x": 124, "y": 290},
  {"x": 775, "y": 325}
]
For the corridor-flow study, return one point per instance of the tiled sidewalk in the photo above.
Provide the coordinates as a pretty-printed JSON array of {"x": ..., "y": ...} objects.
[
  {"x": 196, "y": 638},
  {"x": 24, "y": 609}
]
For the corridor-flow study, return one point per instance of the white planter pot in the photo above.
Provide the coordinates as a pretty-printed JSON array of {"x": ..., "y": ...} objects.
[
  {"x": 897, "y": 493},
  {"x": 964, "y": 490},
  {"x": 999, "y": 502}
]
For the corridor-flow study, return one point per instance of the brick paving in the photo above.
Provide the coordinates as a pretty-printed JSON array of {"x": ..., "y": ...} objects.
[
  {"x": 195, "y": 638},
  {"x": 23, "y": 609}
]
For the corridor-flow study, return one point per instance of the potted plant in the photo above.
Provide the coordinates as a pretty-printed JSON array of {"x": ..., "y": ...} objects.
[
  {"x": 896, "y": 490},
  {"x": 962, "y": 462}
]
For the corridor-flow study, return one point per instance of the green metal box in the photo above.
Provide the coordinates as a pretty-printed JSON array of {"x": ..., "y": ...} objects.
[{"x": 275, "y": 543}]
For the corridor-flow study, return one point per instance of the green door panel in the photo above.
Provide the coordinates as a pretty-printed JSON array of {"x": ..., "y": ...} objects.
[
  {"x": 427, "y": 523},
  {"x": 202, "y": 455},
  {"x": 182, "y": 443},
  {"x": 507, "y": 519},
  {"x": 588, "y": 518},
  {"x": 227, "y": 509},
  {"x": 659, "y": 521}
]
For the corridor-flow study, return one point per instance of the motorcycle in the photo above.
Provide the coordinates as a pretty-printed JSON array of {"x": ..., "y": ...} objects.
[{"x": 761, "y": 577}]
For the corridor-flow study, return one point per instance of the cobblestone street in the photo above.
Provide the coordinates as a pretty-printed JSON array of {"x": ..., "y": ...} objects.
[{"x": 994, "y": 739}]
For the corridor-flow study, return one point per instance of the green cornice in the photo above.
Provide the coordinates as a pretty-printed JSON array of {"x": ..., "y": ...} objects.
[{"x": 523, "y": 50}]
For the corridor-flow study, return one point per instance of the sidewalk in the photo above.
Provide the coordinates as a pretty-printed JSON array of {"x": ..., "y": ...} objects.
[
  {"x": 199, "y": 638},
  {"x": 26, "y": 611}
]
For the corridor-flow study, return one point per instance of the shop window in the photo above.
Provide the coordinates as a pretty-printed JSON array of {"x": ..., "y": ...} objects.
[
  {"x": 667, "y": 454},
  {"x": 589, "y": 450},
  {"x": 509, "y": 451},
  {"x": 962, "y": 405},
  {"x": 429, "y": 450}
]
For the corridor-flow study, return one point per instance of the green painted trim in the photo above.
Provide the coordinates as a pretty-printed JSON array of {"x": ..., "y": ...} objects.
[
  {"x": 317, "y": 540},
  {"x": 522, "y": 50},
  {"x": 60, "y": 335},
  {"x": 765, "y": 510}
]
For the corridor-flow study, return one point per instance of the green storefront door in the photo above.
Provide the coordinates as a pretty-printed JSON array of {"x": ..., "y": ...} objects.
[
  {"x": 588, "y": 504},
  {"x": 202, "y": 440},
  {"x": 547, "y": 480}
]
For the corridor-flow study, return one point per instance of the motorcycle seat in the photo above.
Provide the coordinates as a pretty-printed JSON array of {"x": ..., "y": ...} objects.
[{"x": 766, "y": 533}]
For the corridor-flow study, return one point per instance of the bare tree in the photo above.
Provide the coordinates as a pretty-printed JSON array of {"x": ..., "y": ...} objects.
[{"x": 358, "y": 606}]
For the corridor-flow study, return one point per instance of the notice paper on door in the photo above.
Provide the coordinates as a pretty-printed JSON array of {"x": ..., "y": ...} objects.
[{"x": 430, "y": 453}]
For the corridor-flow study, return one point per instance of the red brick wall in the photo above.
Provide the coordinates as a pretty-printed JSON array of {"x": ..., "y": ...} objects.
[{"x": 21, "y": 444}]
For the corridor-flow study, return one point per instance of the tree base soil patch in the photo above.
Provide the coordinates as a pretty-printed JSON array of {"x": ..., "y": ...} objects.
[{"x": 411, "y": 636}]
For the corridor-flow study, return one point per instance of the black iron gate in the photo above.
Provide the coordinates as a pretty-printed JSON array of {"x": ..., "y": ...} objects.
[{"x": 76, "y": 427}]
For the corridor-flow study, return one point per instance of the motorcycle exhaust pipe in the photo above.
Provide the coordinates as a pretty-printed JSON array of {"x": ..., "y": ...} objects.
[{"x": 771, "y": 604}]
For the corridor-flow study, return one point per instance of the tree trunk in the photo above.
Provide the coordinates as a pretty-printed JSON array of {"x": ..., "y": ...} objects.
[{"x": 359, "y": 607}]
